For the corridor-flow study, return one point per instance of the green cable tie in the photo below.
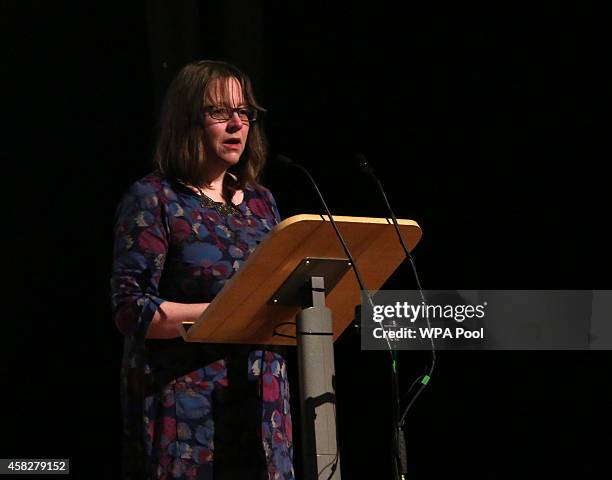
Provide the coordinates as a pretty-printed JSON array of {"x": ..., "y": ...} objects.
[
  {"x": 394, "y": 365},
  {"x": 425, "y": 379}
]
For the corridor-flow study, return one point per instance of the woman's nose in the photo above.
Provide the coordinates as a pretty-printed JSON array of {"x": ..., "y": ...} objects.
[{"x": 234, "y": 123}]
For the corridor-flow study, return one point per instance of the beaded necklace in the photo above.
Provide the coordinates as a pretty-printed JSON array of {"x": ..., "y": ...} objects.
[{"x": 222, "y": 208}]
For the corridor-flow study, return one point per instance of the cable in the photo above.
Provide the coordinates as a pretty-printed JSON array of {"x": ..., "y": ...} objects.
[{"x": 277, "y": 334}]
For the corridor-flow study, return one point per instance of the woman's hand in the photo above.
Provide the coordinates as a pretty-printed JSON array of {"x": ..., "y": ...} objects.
[{"x": 170, "y": 315}]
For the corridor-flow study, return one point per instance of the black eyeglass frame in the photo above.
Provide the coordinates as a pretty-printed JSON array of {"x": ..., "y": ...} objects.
[{"x": 228, "y": 113}]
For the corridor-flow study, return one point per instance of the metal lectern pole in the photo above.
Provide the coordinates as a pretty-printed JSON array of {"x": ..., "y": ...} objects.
[{"x": 316, "y": 370}]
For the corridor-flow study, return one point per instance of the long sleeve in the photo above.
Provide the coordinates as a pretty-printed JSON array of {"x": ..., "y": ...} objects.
[{"x": 140, "y": 247}]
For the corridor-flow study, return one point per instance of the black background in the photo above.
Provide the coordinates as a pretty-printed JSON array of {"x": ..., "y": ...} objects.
[{"x": 485, "y": 122}]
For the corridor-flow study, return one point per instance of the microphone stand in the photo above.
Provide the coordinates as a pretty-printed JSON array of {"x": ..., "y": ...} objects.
[{"x": 398, "y": 439}]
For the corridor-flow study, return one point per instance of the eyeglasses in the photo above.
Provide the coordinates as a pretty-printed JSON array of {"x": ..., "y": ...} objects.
[{"x": 246, "y": 114}]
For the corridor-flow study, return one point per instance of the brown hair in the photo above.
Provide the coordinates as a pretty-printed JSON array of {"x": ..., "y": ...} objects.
[{"x": 179, "y": 153}]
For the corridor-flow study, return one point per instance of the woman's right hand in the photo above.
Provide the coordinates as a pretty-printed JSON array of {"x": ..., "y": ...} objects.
[{"x": 170, "y": 315}]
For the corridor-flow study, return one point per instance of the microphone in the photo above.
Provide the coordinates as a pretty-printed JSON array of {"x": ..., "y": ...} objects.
[
  {"x": 401, "y": 443},
  {"x": 365, "y": 167},
  {"x": 289, "y": 162}
]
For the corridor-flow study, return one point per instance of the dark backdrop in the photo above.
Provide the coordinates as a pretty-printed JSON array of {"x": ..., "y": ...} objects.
[{"x": 486, "y": 123}]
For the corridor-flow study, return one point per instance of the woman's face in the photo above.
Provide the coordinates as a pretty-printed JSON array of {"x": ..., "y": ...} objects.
[{"x": 224, "y": 140}]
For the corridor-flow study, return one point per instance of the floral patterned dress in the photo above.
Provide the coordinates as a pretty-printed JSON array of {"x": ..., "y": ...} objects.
[{"x": 193, "y": 411}]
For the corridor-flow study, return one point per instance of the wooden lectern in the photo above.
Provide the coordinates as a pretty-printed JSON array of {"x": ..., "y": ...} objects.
[{"x": 299, "y": 275}]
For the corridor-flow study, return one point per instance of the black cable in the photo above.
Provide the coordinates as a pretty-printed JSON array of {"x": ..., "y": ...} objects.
[{"x": 275, "y": 333}]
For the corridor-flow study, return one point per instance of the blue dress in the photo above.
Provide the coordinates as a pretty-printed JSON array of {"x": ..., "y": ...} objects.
[{"x": 193, "y": 411}]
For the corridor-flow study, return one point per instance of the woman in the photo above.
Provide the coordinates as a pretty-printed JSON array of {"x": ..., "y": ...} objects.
[{"x": 181, "y": 232}]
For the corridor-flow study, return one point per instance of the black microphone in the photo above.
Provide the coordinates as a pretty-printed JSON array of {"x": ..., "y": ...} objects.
[
  {"x": 289, "y": 162},
  {"x": 365, "y": 167}
]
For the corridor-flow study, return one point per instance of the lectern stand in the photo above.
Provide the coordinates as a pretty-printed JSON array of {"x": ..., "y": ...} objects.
[{"x": 299, "y": 273}]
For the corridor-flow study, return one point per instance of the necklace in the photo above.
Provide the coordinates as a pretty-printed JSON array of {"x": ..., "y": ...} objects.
[{"x": 222, "y": 208}]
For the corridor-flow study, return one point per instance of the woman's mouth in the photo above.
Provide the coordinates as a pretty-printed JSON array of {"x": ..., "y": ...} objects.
[{"x": 232, "y": 143}]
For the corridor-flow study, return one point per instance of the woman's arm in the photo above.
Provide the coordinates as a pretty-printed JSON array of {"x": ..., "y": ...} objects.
[
  {"x": 170, "y": 315},
  {"x": 140, "y": 249}
]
